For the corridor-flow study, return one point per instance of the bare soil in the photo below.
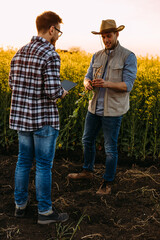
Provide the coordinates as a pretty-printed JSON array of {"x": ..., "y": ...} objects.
[{"x": 131, "y": 211}]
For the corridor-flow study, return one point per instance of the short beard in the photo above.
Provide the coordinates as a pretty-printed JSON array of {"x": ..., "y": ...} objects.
[
  {"x": 114, "y": 46},
  {"x": 52, "y": 41}
]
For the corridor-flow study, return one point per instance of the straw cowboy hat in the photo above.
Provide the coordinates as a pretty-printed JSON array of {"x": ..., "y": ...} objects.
[{"x": 109, "y": 25}]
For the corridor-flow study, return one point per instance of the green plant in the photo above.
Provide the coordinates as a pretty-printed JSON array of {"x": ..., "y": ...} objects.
[{"x": 67, "y": 232}]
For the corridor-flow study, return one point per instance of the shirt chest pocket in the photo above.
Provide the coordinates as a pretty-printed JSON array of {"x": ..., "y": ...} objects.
[
  {"x": 116, "y": 73},
  {"x": 97, "y": 70}
]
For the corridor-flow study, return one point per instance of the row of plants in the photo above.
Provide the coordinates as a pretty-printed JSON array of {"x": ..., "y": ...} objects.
[{"x": 140, "y": 131}]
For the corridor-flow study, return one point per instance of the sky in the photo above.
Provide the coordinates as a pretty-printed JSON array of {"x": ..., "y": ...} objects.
[{"x": 140, "y": 17}]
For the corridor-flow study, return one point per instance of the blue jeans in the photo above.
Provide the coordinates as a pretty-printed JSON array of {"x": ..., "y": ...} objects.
[
  {"x": 110, "y": 127},
  {"x": 39, "y": 144}
]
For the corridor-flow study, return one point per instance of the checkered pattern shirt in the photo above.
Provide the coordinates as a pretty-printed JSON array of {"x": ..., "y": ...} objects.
[{"x": 35, "y": 82}]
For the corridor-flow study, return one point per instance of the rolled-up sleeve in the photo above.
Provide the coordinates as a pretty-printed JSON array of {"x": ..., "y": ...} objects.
[{"x": 130, "y": 71}]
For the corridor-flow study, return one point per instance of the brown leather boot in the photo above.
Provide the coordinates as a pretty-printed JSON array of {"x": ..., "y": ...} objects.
[
  {"x": 104, "y": 189},
  {"x": 82, "y": 175}
]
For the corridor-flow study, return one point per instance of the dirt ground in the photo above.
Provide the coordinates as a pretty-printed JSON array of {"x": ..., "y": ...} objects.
[{"x": 131, "y": 211}]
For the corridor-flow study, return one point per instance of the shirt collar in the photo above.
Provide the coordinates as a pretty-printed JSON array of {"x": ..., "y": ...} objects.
[
  {"x": 43, "y": 40},
  {"x": 108, "y": 52}
]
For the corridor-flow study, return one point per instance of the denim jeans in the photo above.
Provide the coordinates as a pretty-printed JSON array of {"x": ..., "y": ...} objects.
[
  {"x": 110, "y": 127},
  {"x": 39, "y": 144}
]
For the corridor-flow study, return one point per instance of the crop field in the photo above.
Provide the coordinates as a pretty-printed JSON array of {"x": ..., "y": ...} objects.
[
  {"x": 132, "y": 211},
  {"x": 140, "y": 130}
]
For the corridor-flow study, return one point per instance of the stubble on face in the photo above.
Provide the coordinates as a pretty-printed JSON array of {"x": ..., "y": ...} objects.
[
  {"x": 55, "y": 37},
  {"x": 52, "y": 41},
  {"x": 110, "y": 40}
]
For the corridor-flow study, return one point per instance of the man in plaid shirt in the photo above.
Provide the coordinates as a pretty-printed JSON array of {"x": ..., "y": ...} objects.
[{"x": 35, "y": 83}]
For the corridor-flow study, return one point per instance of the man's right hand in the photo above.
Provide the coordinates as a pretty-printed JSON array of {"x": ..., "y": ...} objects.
[
  {"x": 64, "y": 94},
  {"x": 88, "y": 84}
]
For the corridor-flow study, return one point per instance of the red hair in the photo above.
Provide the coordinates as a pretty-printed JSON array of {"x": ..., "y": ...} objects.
[{"x": 46, "y": 20}]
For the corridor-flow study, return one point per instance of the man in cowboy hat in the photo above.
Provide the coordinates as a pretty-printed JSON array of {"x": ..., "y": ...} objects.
[{"x": 112, "y": 73}]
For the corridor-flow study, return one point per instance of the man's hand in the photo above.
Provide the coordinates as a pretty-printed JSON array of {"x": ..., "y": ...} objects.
[
  {"x": 64, "y": 94},
  {"x": 116, "y": 86},
  {"x": 99, "y": 83},
  {"x": 88, "y": 84}
]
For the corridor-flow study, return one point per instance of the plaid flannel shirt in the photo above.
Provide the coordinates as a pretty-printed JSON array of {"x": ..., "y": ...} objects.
[{"x": 35, "y": 82}]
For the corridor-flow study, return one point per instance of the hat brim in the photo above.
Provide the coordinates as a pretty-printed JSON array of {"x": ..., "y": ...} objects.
[{"x": 120, "y": 28}]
